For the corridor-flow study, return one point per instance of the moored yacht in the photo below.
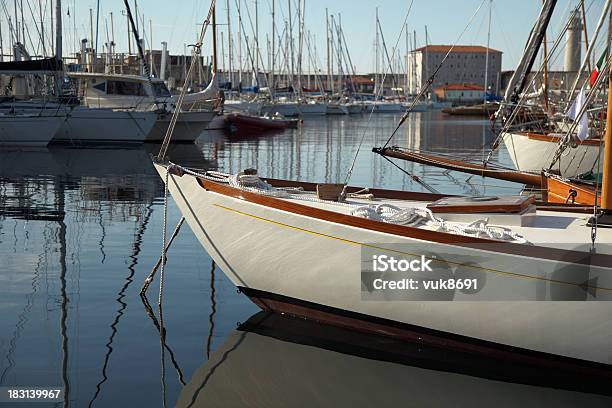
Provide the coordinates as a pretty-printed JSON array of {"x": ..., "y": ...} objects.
[
  {"x": 84, "y": 125},
  {"x": 143, "y": 94}
]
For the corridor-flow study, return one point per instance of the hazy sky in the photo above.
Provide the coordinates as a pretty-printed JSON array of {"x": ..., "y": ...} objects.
[{"x": 177, "y": 22}]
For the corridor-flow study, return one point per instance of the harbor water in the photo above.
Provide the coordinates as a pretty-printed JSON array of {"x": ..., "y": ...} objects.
[{"x": 81, "y": 228}]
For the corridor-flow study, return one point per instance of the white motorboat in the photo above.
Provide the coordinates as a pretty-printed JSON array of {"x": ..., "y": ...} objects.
[
  {"x": 28, "y": 129},
  {"x": 146, "y": 94}
]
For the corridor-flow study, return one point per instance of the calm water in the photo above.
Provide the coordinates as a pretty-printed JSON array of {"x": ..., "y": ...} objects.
[{"x": 81, "y": 228}]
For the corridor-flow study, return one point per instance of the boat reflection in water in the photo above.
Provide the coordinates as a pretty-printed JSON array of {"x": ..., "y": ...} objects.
[{"x": 278, "y": 361}]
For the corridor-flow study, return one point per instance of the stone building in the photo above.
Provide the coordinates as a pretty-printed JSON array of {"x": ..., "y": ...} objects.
[{"x": 466, "y": 64}]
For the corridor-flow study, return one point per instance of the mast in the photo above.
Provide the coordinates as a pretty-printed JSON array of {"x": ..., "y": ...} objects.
[
  {"x": 1, "y": 43},
  {"x": 58, "y": 29},
  {"x": 42, "y": 28},
  {"x": 545, "y": 72},
  {"x": 376, "y": 58},
  {"x": 329, "y": 84},
  {"x": 271, "y": 85},
  {"x": 584, "y": 29},
  {"x": 239, "y": 49},
  {"x": 486, "y": 79},
  {"x": 229, "y": 42},
  {"x": 256, "y": 41},
  {"x": 97, "y": 26},
  {"x": 214, "y": 40},
  {"x": 112, "y": 43},
  {"x": 426, "y": 70},
  {"x": 606, "y": 186},
  {"x": 23, "y": 36},
  {"x": 291, "y": 46},
  {"x": 606, "y": 183},
  {"x": 16, "y": 21},
  {"x": 151, "y": 45},
  {"x": 411, "y": 57}
]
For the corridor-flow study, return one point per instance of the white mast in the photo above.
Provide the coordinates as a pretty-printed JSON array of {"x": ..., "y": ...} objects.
[
  {"x": 376, "y": 58},
  {"x": 229, "y": 42},
  {"x": 256, "y": 42},
  {"x": 291, "y": 46},
  {"x": 58, "y": 30},
  {"x": 486, "y": 80},
  {"x": 272, "y": 82},
  {"x": 239, "y": 49},
  {"x": 330, "y": 85}
]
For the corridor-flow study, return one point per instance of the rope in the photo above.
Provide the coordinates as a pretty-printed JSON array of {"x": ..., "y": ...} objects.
[
  {"x": 415, "y": 217},
  {"x": 162, "y": 331}
]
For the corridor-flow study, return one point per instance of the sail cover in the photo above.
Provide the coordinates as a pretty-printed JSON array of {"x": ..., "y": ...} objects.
[
  {"x": 519, "y": 78},
  {"x": 40, "y": 66}
]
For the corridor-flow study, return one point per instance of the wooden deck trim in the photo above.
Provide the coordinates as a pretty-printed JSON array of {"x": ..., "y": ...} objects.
[
  {"x": 409, "y": 232},
  {"x": 553, "y": 139}
]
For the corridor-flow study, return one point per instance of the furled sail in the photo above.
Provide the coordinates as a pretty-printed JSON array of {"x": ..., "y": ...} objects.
[
  {"x": 40, "y": 66},
  {"x": 519, "y": 78}
]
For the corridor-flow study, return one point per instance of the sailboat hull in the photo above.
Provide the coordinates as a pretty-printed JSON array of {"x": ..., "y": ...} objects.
[
  {"x": 532, "y": 152},
  {"x": 28, "y": 130},
  {"x": 284, "y": 109},
  {"x": 101, "y": 126},
  {"x": 312, "y": 109},
  {"x": 187, "y": 129},
  {"x": 308, "y": 265},
  {"x": 335, "y": 109}
]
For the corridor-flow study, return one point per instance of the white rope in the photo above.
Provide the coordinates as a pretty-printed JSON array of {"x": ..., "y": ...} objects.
[{"x": 414, "y": 217}]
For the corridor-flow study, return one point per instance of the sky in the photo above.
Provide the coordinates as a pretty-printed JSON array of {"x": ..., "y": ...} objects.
[{"x": 177, "y": 22}]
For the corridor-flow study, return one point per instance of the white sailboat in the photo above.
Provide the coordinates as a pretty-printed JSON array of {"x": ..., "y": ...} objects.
[
  {"x": 531, "y": 152},
  {"x": 150, "y": 96},
  {"x": 543, "y": 273}
]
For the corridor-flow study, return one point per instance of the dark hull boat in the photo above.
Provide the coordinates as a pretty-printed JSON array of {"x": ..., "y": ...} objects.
[
  {"x": 240, "y": 122},
  {"x": 474, "y": 110}
]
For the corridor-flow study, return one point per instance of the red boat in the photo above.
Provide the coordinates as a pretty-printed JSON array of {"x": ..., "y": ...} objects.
[{"x": 240, "y": 122}]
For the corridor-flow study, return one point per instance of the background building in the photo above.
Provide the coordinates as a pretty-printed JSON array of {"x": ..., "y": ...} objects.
[
  {"x": 466, "y": 64},
  {"x": 460, "y": 93}
]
